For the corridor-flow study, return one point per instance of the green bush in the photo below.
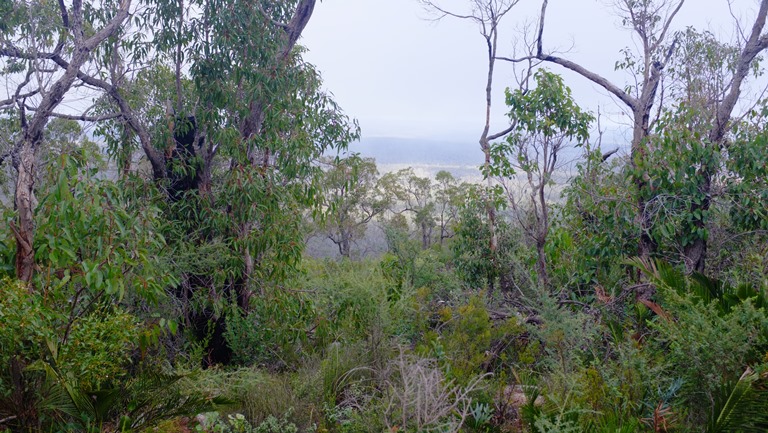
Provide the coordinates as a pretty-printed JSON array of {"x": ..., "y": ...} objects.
[
  {"x": 237, "y": 423},
  {"x": 356, "y": 301},
  {"x": 706, "y": 348},
  {"x": 78, "y": 373},
  {"x": 467, "y": 342},
  {"x": 276, "y": 332},
  {"x": 474, "y": 263},
  {"x": 92, "y": 351}
]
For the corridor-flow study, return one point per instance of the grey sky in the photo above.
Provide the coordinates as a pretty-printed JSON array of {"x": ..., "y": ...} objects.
[{"x": 402, "y": 75}]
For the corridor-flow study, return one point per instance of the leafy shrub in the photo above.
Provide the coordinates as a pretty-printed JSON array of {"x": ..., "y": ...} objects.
[
  {"x": 92, "y": 351},
  {"x": 212, "y": 422},
  {"x": 595, "y": 227},
  {"x": 69, "y": 336},
  {"x": 91, "y": 236},
  {"x": 407, "y": 265},
  {"x": 355, "y": 301},
  {"x": 468, "y": 342},
  {"x": 276, "y": 331},
  {"x": 475, "y": 264},
  {"x": 709, "y": 332},
  {"x": 705, "y": 349}
]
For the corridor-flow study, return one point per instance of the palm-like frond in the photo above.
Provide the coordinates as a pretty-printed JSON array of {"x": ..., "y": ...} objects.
[
  {"x": 153, "y": 397},
  {"x": 704, "y": 289},
  {"x": 149, "y": 398},
  {"x": 661, "y": 273},
  {"x": 740, "y": 407}
]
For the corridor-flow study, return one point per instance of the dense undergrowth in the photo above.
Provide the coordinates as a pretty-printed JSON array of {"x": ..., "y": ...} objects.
[{"x": 399, "y": 343}]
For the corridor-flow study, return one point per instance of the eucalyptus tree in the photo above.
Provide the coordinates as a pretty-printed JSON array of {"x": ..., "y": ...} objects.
[
  {"x": 227, "y": 73},
  {"x": 412, "y": 195},
  {"x": 44, "y": 46},
  {"x": 709, "y": 76},
  {"x": 352, "y": 197},
  {"x": 449, "y": 195},
  {"x": 233, "y": 79},
  {"x": 547, "y": 120}
]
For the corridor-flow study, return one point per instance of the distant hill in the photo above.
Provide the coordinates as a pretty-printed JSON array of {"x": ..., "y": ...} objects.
[
  {"x": 395, "y": 150},
  {"x": 462, "y": 158}
]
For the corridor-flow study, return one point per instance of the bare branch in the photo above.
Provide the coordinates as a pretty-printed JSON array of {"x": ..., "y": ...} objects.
[
  {"x": 274, "y": 22},
  {"x": 16, "y": 97},
  {"x": 153, "y": 155},
  {"x": 81, "y": 117},
  {"x": 736, "y": 21},
  {"x": 501, "y": 133},
  {"x": 630, "y": 101},
  {"x": 429, "y": 4},
  {"x": 667, "y": 23},
  {"x": 608, "y": 154},
  {"x": 110, "y": 28},
  {"x": 516, "y": 59}
]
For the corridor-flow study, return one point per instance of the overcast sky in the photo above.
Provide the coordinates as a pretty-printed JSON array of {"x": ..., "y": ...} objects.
[{"x": 402, "y": 75}]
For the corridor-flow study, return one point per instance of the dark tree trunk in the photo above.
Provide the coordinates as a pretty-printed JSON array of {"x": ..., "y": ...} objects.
[
  {"x": 541, "y": 264},
  {"x": 344, "y": 245},
  {"x": 696, "y": 252}
]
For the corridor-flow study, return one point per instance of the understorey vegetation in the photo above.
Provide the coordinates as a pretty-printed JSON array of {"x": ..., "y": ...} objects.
[{"x": 155, "y": 275}]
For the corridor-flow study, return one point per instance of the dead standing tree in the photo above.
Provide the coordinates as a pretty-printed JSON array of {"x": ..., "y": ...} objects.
[{"x": 488, "y": 15}]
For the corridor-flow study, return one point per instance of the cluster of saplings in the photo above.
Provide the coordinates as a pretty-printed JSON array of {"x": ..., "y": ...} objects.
[{"x": 164, "y": 287}]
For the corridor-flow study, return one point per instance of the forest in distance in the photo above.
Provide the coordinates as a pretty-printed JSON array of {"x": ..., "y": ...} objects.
[{"x": 166, "y": 167}]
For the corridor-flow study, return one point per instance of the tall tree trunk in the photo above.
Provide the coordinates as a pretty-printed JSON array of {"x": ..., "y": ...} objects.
[
  {"x": 485, "y": 145},
  {"x": 344, "y": 246},
  {"x": 646, "y": 244},
  {"x": 25, "y": 206}
]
